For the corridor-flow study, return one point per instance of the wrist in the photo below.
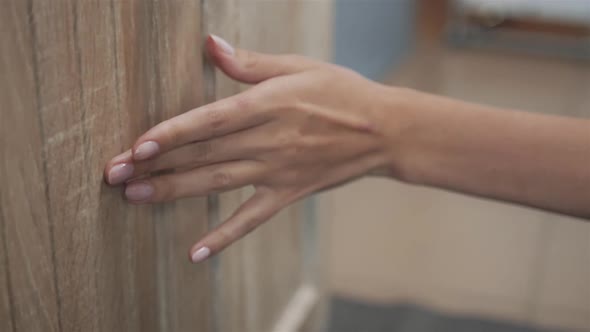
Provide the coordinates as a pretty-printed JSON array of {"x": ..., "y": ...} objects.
[{"x": 398, "y": 116}]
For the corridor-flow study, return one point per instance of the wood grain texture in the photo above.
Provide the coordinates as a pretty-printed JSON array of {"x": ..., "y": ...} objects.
[
  {"x": 27, "y": 249},
  {"x": 6, "y": 317},
  {"x": 178, "y": 58},
  {"x": 83, "y": 80},
  {"x": 136, "y": 38},
  {"x": 86, "y": 78},
  {"x": 133, "y": 56},
  {"x": 78, "y": 92}
]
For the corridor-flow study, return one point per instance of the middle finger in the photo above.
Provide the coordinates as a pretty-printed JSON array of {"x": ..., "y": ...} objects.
[{"x": 241, "y": 145}]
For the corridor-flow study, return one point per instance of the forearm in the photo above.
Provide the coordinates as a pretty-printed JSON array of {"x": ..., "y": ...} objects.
[{"x": 526, "y": 158}]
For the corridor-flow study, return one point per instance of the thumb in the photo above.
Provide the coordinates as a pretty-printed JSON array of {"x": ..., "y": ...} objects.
[{"x": 251, "y": 67}]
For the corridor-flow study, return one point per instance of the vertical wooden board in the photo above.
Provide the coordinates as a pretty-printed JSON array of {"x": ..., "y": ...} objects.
[
  {"x": 102, "y": 137},
  {"x": 178, "y": 68},
  {"x": 80, "y": 105},
  {"x": 60, "y": 104},
  {"x": 27, "y": 280},
  {"x": 86, "y": 79},
  {"x": 6, "y": 317},
  {"x": 134, "y": 42}
]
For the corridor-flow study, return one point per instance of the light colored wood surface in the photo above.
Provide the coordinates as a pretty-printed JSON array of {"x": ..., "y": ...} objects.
[
  {"x": 83, "y": 79},
  {"x": 86, "y": 78},
  {"x": 27, "y": 254}
]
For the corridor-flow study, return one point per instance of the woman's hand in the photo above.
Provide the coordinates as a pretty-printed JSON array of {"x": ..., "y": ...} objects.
[{"x": 303, "y": 127}]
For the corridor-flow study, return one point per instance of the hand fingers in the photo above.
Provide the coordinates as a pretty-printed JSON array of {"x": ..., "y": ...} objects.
[
  {"x": 255, "y": 211},
  {"x": 219, "y": 118},
  {"x": 251, "y": 67},
  {"x": 118, "y": 169},
  {"x": 227, "y": 115},
  {"x": 196, "y": 182},
  {"x": 241, "y": 145}
]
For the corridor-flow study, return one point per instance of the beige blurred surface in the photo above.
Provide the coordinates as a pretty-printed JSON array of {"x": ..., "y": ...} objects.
[
  {"x": 258, "y": 279},
  {"x": 392, "y": 242}
]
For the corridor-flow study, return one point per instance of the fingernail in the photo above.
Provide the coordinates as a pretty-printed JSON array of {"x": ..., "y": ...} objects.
[
  {"x": 119, "y": 173},
  {"x": 139, "y": 191},
  {"x": 146, "y": 150},
  {"x": 224, "y": 45},
  {"x": 200, "y": 255}
]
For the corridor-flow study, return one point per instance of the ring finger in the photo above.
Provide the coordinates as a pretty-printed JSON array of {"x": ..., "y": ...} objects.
[
  {"x": 226, "y": 148},
  {"x": 196, "y": 182}
]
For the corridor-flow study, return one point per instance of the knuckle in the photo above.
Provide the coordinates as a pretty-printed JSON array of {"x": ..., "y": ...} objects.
[
  {"x": 243, "y": 102},
  {"x": 224, "y": 237},
  {"x": 293, "y": 145},
  {"x": 251, "y": 60},
  {"x": 216, "y": 118},
  {"x": 292, "y": 176},
  {"x": 287, "y": 139},
  {"x": 251, "y": 224},
  {"x": 170, "y": 131},
  {"x": 294, "y": 151},
  {"x": 202, "y": 151},
  {"x": 306, "y": 143},
  {"x": 221, "y": 180},
  {"x": 164, "y": 190}
]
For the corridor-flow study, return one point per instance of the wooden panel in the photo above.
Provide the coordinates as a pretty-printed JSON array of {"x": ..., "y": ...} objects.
[
  {"x": 26, "y": 252},
  {"x": 86, "y": 78},
  {"x": 78, "y": 93},
  {"x": 6, "y": 317},
  {"x": 134, "y": 59},
  {"x": 177, "y": 57}
]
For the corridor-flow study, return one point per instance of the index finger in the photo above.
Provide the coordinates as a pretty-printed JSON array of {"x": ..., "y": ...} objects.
[{"x": 216, "y": 119}]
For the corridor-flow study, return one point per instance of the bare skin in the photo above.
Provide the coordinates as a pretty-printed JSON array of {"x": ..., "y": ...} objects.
[{"x": 305, "y": 126}]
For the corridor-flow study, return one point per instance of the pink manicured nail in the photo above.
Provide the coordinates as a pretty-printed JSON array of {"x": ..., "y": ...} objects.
[
  {"x": 200, "y": 255},
  {"x": 120, "y": 173},
  {"x": 224, "y": 45},
  {"x": 139, "y": 191},
  {"x": 146, "y": 150}
]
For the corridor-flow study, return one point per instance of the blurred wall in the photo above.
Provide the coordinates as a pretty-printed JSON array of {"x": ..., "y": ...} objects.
[
  {"x": 391, "y": 242},
  {"x": 371, "y": 36}
]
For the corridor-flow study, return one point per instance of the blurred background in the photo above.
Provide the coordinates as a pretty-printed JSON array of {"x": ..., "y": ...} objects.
[{"x": 413, "y": 259}]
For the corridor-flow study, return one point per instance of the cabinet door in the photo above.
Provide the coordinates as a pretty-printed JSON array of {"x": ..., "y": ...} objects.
[{"x": 81, "y": 80}]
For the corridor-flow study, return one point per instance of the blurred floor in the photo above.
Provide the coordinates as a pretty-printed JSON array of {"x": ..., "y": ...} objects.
[
  {"x": 395, "y": 243},
  {"x": 354, "y": 316}
]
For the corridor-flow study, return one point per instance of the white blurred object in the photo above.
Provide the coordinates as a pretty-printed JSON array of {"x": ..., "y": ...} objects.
[{"x": 558, "y": 11}]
